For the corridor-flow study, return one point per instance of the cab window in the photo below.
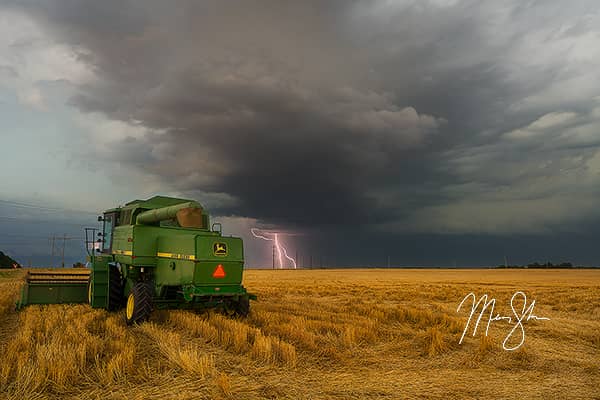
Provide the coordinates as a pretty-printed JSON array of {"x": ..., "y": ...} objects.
[{"x": 109, "y": 224}]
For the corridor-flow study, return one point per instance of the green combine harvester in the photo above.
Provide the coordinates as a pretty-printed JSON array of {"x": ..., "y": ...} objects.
[{"x": 153, "y": 254}]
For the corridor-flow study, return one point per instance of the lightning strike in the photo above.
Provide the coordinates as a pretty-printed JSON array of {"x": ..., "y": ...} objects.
[{"x": 281, "y": 251}]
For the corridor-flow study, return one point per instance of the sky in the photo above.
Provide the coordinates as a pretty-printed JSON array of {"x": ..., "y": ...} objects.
[{"x": 430, "y": 132}]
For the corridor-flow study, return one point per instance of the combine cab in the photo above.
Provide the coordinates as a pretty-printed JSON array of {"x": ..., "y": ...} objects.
[{"x": 157, "y": 253}]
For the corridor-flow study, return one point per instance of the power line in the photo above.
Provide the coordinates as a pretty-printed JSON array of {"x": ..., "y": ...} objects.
[
  {"x": 43, "y": 208},
  {"x": 22, "y": 236},
  {"x": 27, "y": 239},
  {"x": 15, "y": 243},
  {"x": 37, "y": 242},
  {"x": 37, "y": 221}
]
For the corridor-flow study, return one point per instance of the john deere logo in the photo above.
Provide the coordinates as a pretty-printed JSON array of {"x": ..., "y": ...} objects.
[{"x": 220, "y": 249}]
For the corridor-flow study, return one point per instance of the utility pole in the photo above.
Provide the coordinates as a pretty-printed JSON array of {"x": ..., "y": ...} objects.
[
  {"x": 311, "y": 261},
  {"x": 63, "y": 249},
  {"x": 388, "y": 261},
  {"x": 297, "y": 258},
  {"x": 273, "y": 256}
]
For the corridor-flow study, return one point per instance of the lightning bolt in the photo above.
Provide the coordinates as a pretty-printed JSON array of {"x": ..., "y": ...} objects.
[{"x": 281, "y": 251}]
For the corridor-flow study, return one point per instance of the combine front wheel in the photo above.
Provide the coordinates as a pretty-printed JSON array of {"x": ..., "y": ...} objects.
[
  {"x": 90, "y": 290},
  {"x": 115, "y": 288},
  {"x": 139, "y": 303}
]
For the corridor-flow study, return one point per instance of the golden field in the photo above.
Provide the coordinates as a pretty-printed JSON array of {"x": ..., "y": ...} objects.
[{"x": 316, "y": 334}]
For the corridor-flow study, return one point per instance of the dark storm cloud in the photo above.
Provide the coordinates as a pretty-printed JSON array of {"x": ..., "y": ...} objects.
[{"x": 407, "y": 115}]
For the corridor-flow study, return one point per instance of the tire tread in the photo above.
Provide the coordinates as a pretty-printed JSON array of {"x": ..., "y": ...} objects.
[{"x": 142, "y": 293}]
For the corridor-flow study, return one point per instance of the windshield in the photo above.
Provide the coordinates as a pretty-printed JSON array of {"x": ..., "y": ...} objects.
[{"x": 108, "y": 228}]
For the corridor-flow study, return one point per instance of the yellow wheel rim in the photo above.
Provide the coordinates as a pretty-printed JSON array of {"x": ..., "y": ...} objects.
[
  {"x": 90, "y": 293},
  {"x": 130, "y": 305}
]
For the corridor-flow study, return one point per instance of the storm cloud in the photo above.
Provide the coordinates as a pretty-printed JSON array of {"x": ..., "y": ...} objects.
[{"x": 428, "y": 117}]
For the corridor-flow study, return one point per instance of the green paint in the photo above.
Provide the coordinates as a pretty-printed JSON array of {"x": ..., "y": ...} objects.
[{"x": 187, "y": 267}]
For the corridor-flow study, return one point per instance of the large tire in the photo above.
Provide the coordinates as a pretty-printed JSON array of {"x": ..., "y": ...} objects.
[
  {"x": 139, "y": 303},
  {"x": 242, "y": 307},
  {"x": 90, "y": 289},
  {"x": 115, "y": 288}
]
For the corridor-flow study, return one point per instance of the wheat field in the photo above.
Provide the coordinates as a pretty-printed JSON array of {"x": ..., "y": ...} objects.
[{"x": 316, "y": 334}]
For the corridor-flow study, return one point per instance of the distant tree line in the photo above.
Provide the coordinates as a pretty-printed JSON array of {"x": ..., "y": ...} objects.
[
  {"x": 541, "y": 265},
  {"x": 7, "y": 262}
]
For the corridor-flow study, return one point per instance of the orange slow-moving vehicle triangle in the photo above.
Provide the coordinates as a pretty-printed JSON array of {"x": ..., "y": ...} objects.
[{"x": 219, "y": 272}]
